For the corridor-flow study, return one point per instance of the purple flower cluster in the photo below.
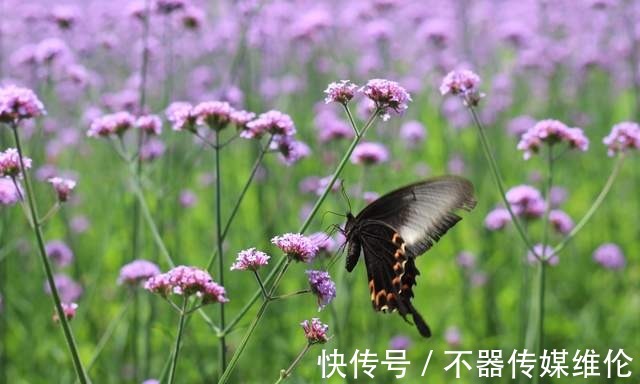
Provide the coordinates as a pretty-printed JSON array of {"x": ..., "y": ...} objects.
[
  {"x": 68, "y": 289},
  {"x": 137, "y": 271},
  {"x": 250, "y": 259},
  {"x": 526, "y": 201},
  {"x": 497, "y": 219},
  {"x": 296, "y": 246},
  {"x": 63, "y": 187},
  {"x": 544, "y": 254},
  {"x": 551, "y": 132},
  {"x": 19, "y": 103},
  {"x": 340, "y": 92},
  {"x": 561, "y": 222},
  {"x": 215, "y": 114},
  {"x": 187, "y": 281},
  {"x": 180, "y": 115},
  {"x": 387, "y": 96},
  {"x": 113, "y": 124},
  {"x": 464, "y": 83},
  {"x": 623, "y": 136},
  {"x": 322, "y": 286},
  {"x": 413, "y": 133},
  {"x": 368, "y": 153},
  {"x": 59, "y": 252},
  {"x": 291, "y": 150},
  {"x": 315, "y": 331},
  {"x": 149, "y": 124},
  {"x": 325, "y": 243},
  {"x": 10, "y": 163},
  {"x": 152, "y": 149},
  {"x": 273, "y": 122},
  {"x": 9, "y": 192},
  {"x": 609, "y": 256}
]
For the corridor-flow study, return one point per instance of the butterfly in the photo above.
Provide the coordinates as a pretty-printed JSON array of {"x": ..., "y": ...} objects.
[{"x": 396, "y": 228}]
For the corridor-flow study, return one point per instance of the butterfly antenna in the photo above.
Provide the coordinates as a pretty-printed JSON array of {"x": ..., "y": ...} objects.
[
  {"x": 344, "y": 194},
  {"x": 327, "y": 212}
]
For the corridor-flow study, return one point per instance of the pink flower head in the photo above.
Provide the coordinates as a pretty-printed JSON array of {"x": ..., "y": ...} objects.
[
  {"x": 453, "y": 336},
  {"x": 315, "y": 331},
  {"x": 63, "y": 187},
  {"x": 250, "y": 259},
  {"x": 241, "y": 118},
  {"x": 113, "y": 124},
  {"x": 181, "y": 116},
  {"x": 19, "y": 103},
  {"x": 623, "y": 136},
  {"x": 273, "y": 122},
  {"x": 368, "y": 153},
  {"x": 188, "y": 198},
  {"x": 325, "y": 243},
  {"x": 464, "y": 83},
  {"x": 466, "y": 260},
  {"x": 526, "y": 201},
  {"x": 497, "y": 219},
  {"x": 10, "y": 163},
  {"x": 68, "y": 289},
  {"x": 609, "y": 256},
  {"x": 340, "y": 92},
  {"x": 50, "y": 50},
  {"x": 544, "y": 254},
  {"x": 560, "y": 221},
  {"x": 215, "y": 114},
  {"x": 64, "y": 16},
  {"x": 9, "y": 193},
  {"x": 291, "y": 150},
  {"x": 149, "y": 124},
  {"x": 413, "y": 133},
  {"x": 322, "y": 286},
  {"x": 59, "y": 252},
  {"x": 296, "y": 246},
  {"x": 387, "y": 96},
  {"x": 69, "y": 310},
  {"x": 187, "y": 281},
  {"x": 152, "y": 149},
  {"x": 551, "y": 132},
  {"x": 137, "y": 271}
]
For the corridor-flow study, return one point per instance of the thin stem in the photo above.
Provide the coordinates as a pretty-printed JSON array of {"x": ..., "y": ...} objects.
[
  {"x": 498, "y": 179},
  {"x": 264, "y": 291},
  {"x": 50, "y": 213},
  {"x": 596, "y": 204},
  {"x": 284, "y": 374},
  {"x": 223, "y": 344},
  {"x": 292, "y": 294},
  {"x": 176, "y": 348},
  {"x": 68, "y": 333}
]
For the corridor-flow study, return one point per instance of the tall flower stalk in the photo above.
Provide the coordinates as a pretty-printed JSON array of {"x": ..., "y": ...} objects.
[{"x": 223, "y": 346}]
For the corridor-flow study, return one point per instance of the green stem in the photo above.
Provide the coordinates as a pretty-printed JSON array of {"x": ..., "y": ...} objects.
[
  {"x": 68, "y": 334},
  {"x": 262, "y": 288},
  {"x": 176, "y": 348},
  {"x": 284, "y": 374},
  {"x": 223, "y": 345},
  {"x": 283, "y": 263}
]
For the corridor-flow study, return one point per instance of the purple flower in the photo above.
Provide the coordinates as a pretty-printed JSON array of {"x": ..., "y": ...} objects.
[
  {"x": 340, "y": 92},
  {"x": 370, "y": 197},
  {"x": 387, "y": 96},
  {"x": 557, "y": 196},
  {"x": 241, "y": 118},
  {"x": 50, "y": 49},
  {"x": 79, "y": 224},
  {"x": 323, "y": 242},
  {"x": 251, "y": 259},
  {"x": 526, "y": 201},
  {"x": 9, "y": 194},
  {"x": 623, "y": 136},
  {"x": 322, "y": 286},
  {"x": 551, "y": 132},
  {"x": 69, "y": 310},
  {"x": 166, "y": 7},
  {"x": 400, "y": 342},
  {"x": 151, "y": 381},
  {"x": 464, "y": 83},
  {"x": 188, "y": 198},
  {"x": 296, "y": 246},
  {"x": 137, "y": 271},
  {"x": 291, "y": 150},
  {"x": 368, "y": 153},
  {"x": 152, "y": 149},
  {"x": 192, "y": 17},
  {"x": 453, "y": 337},
  {"x": 609, "y": 256},
  {"x": 413, "y": 133},
  {"x": 330, "y": 127},
  {"x": 186, "y": 281},
  {"x": 215, "y": 114},
  {"x": 113, "y": 124},
  {"x": 181, "y": 116},
  {"x": 273, "y": 122},
  {"x": 63, "y": 187},
  {"x": 466, "y": 260},
  {"x": 64, "y": 16},
  {"x": 19, "y": 103},
  {"x": 59, "y": 252},
  {"x": 315, "y": 331},
  {"x": 544, "y": 254},
  {"x": 10, "y": 163},
  {"x": 519, "y": 125},
  {"x": 149, "y": 124},
  {"x": 497, "y": 219},
  {"x": 68, "y": 289},
  {"x": 456, "y": 164},
  {"x": 560, "y": 221}
]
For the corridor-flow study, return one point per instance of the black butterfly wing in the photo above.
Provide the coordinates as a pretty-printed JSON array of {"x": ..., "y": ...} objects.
[{"x": 422, "y": 212}]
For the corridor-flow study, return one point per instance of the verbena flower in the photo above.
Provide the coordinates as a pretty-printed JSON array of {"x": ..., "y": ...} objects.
[
  {"x": 241, "y": 118},
  {"x": 551, "y": 132},
  {"x": 59, "y": 252},
  {"x": 63, "y": 187},
  {"x": 68, "y": 289},
  {"x": 188, "y": 198},
  {"x": 325, "y": 243},
  {"x": 9, "y": 193},
  {"x": 330, "y": 127},
  {"x": 464, "y": 83},
  {"x": 296, "y": 246},
  {"x": 64, "y": 16},
  {"x": 187, "y": 281},
  {"x": 181, "y": 116},
  {"x": 526, "y": 201},
  {"x": 250, "y": 259},
  {"x": 50, "y": 50},
  {"x": 149, "y": 124},
  {"x": 192, "y": 17},
  {"x": 274, "y": 122},
  {"x": 291, "y": 150},
  {"x": 315, "y": 331},
  {"x": 340, "y": 92},
  {"x": 544, "y": 254},
  {"x": 519, "y": 125},
  {"x": 623, "y": 136},
  {"x": 10, "y": 163},
  {"x": 19, "y": 103},
  {"x": 609, "y": 256},
  {"x": 152, "y": 149},
  {"x": 561, "y": 222},
  {"x": 497, "y": 219},
  {"x": 137, "y": 271},
  {"x": 369, "y": 153},
  {"x": 113, "y": 124},
  {"x": 466, "y": 260},
  {"x": 215, "y": 114},
  {"x": 387, "y": 96},
  {"x": 557, "y": 196},
  {"x": 322, "y": 286},
  {"x": 412, "y": 133},
  {"x": 452, "y": 336},
  {"x": 400, "y": 342},
  {"x": 69, "y": 310},
  {"x": 369, "y": 196}
]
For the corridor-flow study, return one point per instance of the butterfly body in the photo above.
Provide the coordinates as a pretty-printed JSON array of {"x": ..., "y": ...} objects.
[{"x": 396, "y": 228}]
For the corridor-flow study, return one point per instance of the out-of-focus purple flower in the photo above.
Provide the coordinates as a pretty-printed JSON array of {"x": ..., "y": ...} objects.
[
  {"x": 322, "y": 286},
  {"x": 400, "y": 342},
  {"x": 526, "y": 201},
  {"x": 456, "y": 164},
  {"x": 464, "y": 83},
  {"x": 69, "y": 310},
  {"x": 315, "y": 331},
  {"x": 113, "y": 124},
  {"x": 250, "y": 259},
  {"x": 68, "y": 289},
  {"x": 453, "y": 337},
  {"x": 551, "y": 132},
  {"x": 63, "y": 187},
  {"x": 609, "y": 256},
  {"x": 10, "y": 163},
  {"x": 215, "y": 114},
  {"x": 187, "y": 281},
  {"x": 59, "y": 252},
  {"x": 9, "y": 194},
  {"x": 273, "y": 122},
  {"x": 519, "y": 125},
  {"x": 478, "y": 279},
  {"x": 181, "y": 116},
  {"x": 331, "y": 127},
  {"x": 623, "y": 136},
  {"x": 544, "y": 254},
  {"x": 387, "y": 96},
  {"x": 149, "y": 124},
  {"x": 151, "y": 381},
  {"x": 64, "y": 16},
  {"x": 19, "y": 103},
  {"x": 291, "y": 150},
  {"x": 325, "y": 243},
  {"x": 166, "y": 7},
  {"x": 497, "y": 219},
  {"x": 152, "y": 149},
  {"x": 192, "y": 17},
  {"x": 369, "y": 153},
  {"x": 557, "y": 196},
  {"x": 241, "y": 118},
  {"x": 137, "y": 271},
  {"x": 50, "y": 50},
  {"x": 79, "y": 224},
  {"x": 466, "y": 260},
  {"x": 370, "y": 197},
  {"x": 560, "y": 221},
  {"x": 340, "y": 92},
  {"x": 413, "y": 133},
  {"x": 296, "y": 246},
  {"x": 188, "y": 198}
]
